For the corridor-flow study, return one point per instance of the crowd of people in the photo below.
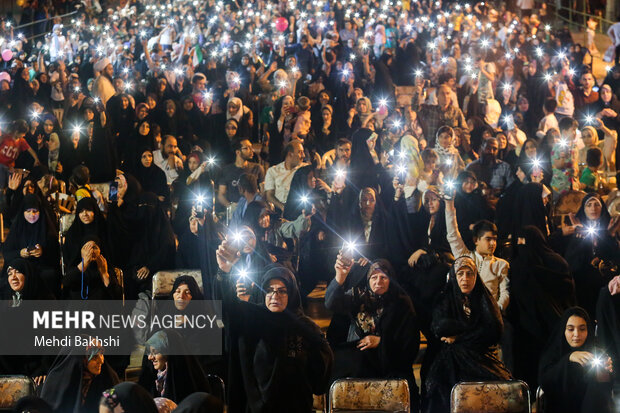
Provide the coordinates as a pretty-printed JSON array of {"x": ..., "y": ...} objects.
[{"x": 420, "y": 157}]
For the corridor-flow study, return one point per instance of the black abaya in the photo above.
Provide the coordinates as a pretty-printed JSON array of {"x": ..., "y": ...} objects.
[{"x": 569, "y": 387}]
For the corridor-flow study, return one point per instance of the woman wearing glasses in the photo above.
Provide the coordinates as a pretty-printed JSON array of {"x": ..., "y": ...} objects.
[{"x": 278, "y": 357}]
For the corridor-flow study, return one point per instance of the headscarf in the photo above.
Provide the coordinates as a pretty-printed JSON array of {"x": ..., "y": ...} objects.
[
  {"x": 557, "y": 346},
  {"x": 64, "y": 387},
  {"x": 183, "y": 373},
  {"x": 131, "y": 397},
  {"x": 78, "y": 230},
  {"x": 364, "y": 115},
  {"x": 238, "y": 102},
  {"x": 299, "y": 187},
  {"x": 529, "y": 208},
  {"x": 605, "y": 218},
  {"x": 363, "y": 169},
  {"x": 34, "y": 287},
  {"x": 24, "y": 234},
  {"x": 200, "y": 402},
  {"x": 278, "y": 272}
]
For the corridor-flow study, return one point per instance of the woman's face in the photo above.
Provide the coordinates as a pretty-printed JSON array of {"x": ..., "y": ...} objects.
[
  {"x": 193, "y": 163},
  {"x": 87, "y": 216},
  {"x": 48, "y": 126},
  {"x": 249, "y": 244},
  {"x": 530, "y": 150},
  {"x": 368, "y": 204},
  {"x": 593, "y": 209},
  {"x": 170, "y": 110},
  {"x": 233, "y": 108},
  {"x": 502, "y": 141},
  {"x": 432, "y": 203},
  {"x": 276, "y": 297},
  {"x": 31, "y": 215},
  {"x": 576, "y": 331},
  {"x": 469, "y": 185},
  {"x": 89, "y": 114},
  {"x": 188, "y": 105},
  {"x": 94, "y": 364},
  {"x": 182, "y": 296},
  {"x": 158, "y": 359},
  {"x": 287, "y": 102},
  {"x": 124, "y": 103},
  {"x": 231, "y": 129},
  {"x": 362, "y": 106},
  {"x": 151, "y": 102},
  {"x": 523, "y": 106},
  {"x": 466, "y": 279},
  {"x": 379, "y": 282},
  {"x": 28, "y": 187},
  {"x": 142, "y": 113},
  {"x": 323, "y": 98},
  {"x": 144, "y": 129},
  {"x": 606, "y": 94},
  {"x": 311, "y": 180},
  {"x": 445, "y": 140},
  {"x": 147, "y": 159},
  {"x": 327, "y": 117},
  {"x": 17, "y": 280},
  {"x": 588, "y": 139}
]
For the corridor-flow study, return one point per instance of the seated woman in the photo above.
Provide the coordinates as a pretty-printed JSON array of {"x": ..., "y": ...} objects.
[
  {"x": 383, "y": 338},
  {"x": 151, "y": 177},
  {"x": 130, "y": 397},
  {"x": 75, "y": 382},
  {"x": 88, "y": 221},
  {"x": 573, "y": 375},
  {"x": 468, "y": 322},
  {"x": 170, "y": 371},
  {"x": 153, "y": 242},
  {"x": 278, "y": 356},
  {"x": 24, "y": 283},
  {"x": 92, "y": 278},
  {"x": 34, "y": 238},
  {"x": 590, "y": 250}
]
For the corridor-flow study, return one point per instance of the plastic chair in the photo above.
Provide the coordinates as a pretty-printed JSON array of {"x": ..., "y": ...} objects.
[
  {"x": 218, "y": 388},
  {"x": 490, "y": 396},
  {"x": 540, "y": 401},
  {"x": 164, "y": 280},
  {"x": 363, "y": 395},
  {"x": 13, "y": 388}
]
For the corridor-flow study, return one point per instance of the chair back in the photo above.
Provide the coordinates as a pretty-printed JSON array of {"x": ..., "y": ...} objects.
[
  {"x": 164, "y": 280},
  {"x": 490, "y": 397},
  {"x": 218, "y": 389},
  {"x": 13, "y": 388},
  {"x": 363, "y": 395}
]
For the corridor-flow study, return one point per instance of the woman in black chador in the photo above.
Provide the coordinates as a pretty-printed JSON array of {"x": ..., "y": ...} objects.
[
  {"x": 575, "y": 376},
  {"x": 469, "y": 324},
  {"x": 75, "y": 382}
]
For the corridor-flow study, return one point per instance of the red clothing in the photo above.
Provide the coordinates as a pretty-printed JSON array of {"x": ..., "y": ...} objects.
[{"x": 10, "y": 149}]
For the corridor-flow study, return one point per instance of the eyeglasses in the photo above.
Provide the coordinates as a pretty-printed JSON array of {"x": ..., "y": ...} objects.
[{"x": 280, "y": 292}]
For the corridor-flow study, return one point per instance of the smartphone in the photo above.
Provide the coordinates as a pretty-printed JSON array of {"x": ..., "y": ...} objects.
[
  {"x": 113, "y": 193},
  {"x": 347, "y": 254}
]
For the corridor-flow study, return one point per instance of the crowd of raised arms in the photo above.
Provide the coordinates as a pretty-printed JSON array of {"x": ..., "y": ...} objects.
[{"x": 447, "y": 168}]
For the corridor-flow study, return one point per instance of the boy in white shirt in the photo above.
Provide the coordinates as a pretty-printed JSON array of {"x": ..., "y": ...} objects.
[{"x": 549, "y": 121}]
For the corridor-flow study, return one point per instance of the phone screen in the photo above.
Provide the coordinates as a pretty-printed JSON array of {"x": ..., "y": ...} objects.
[{"x": 113, "y": 194}]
